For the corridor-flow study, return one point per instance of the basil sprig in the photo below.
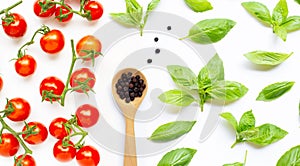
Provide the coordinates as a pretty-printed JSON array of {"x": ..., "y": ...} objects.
[
  {"x": 134, "y": 16},
  {"x": 172, "y": 130},
  {"x": 178, "y": 157},
  {"x": 209, "y": 84},
  {"x": 267, "y": 58},
  {"x": 274, "y": 91},
  {"x": 290, "y": 158},
  {"x": 198, "y": 5},
  {"x": 279, "y": 21},
  {"x": 210, "y": 30},
  {"x": 246, "y": 131}
]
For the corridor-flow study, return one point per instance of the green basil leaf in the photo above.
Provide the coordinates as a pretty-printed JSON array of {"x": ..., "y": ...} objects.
[
  {"x": 172, "y": 130},
  {"x": 267, "y": 58},
  {"x": 247, "y": 121},
  {"x": 212, "y": 72},
  {"x": 198, "y": 5},
  {"x": 178, "y": 157},
  {"x": 248, "y": 134},
  {"x": 290, "y": 158},
  {"x": 280, "y": 12},
  {"x": 274, "y": 91},
  {"x": 234, "y": 164},
  {"x": 267, "y": 135},
  {"x": 280, "y": 32},
  {"x": 227, "y": 90},
  {"x": 151, "y": 6},
  {"x": 259, "y": 11},
  {"x": 210, "y": 30},
  {"x": 176, "y": 97},
  {"x": 291, "y": 24},
  {"x": 132, "y": 5},
  {"x": 124, "y": 19},
  {"x": 183, "y": 76},
  {"x": 231, "y": 119},
  {"x": 298, "y": 1}
]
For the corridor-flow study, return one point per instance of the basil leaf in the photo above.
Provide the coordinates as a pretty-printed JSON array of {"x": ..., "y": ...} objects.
[
  {"x": 178, "y": 157},
  {"x": 248, "y": 134},
  {"x": 132, "y": 5},
  {"x": 267, "y": 58},
  {"x": 290, "y": 158},
  {"x": 274, "y": 91},
  {"x": 210, "y": 30},
  {"x": 213, "y": 71},
  {"x": 291, "y": 24},
  {"x": 124, "y": 19},
  {"x": 259, "y": 11},
  {"x": 247, "y": 121},
  {"x": 231, "y": 119},
  {"x": 151, "y": 6},
  {"x": 198, "y": 5},
  {"x": 234, "y": 164},
  {"x": 280, "y": 32},
  {"x": 298, "y": 1},
  {"x": 183, "y": 76},
  {"x": 227, "y": 90},
  {"x": 268, "y": 134},
  {"x": 172, "y": 130},
  {"x": 176, "y": 97},
  {"x": 280, "y": 12}
]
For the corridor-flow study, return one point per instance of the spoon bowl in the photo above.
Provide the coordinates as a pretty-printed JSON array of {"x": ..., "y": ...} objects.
[{"x": 129, "y": 110}]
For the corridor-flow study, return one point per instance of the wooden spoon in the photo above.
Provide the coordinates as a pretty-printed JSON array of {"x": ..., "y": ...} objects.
[{"x": 129, "y": 111}]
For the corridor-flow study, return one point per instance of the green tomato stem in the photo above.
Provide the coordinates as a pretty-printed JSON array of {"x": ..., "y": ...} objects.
[
  {"x": 66, "y": 89},
  {"x": 10, "y": 7},
  {"x": 15, "y": 134},
  {"x": 80, "y": 13}
]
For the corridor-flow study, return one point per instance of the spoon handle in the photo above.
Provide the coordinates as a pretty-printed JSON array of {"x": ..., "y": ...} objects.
[{"x": 130, "y": 147}]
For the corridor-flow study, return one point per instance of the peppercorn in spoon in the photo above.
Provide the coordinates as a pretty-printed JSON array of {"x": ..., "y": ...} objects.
[{"x": 129, "y": 87}]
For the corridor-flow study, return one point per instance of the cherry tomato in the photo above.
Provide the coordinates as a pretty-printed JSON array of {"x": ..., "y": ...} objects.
[
  {"x": 40, "y": 136},
  {"x": 16, "y": 28},
  {"x": 26, "y": 161},
  {"x": 52, "y": 42},
  {"x": 38, "y": 9},
  {"x": 95, "y": 9},
  {"x": 88, "y": 156},
  {"x": 88, "y": 43},
  {"x": 53, "y": 84},
  {"x": 9, "y": 145},
  {"x": 57, "y": 128},
  {"x": 87, "y": 115},
  {"x": 21, "y": 109},
  {"x": 62, "y": 14},
  {"x": 80, "y": 76},
  {"x": 25, "y": 66},
  {"x": 1, "y": 83},
  {"x": 64, "y": 153}
]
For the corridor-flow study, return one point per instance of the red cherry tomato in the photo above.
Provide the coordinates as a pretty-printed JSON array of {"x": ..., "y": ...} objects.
[
  {"x": 52, "y": 42},
  {"x": 80, "y": 76},
  {"x": 25, "y": 66},
  {"x": 9, "y": 145},
  {"x": 88, "y": 156},
  {"x": 57, "y": 128},
  {"x": 88, "y": 43},
  {"x": 40, "y": 136},
  {"x": 53, "y": 84},
  {"x": 87, "y": 115},
  {"x": 95, "y": 9},
  {"x": 1, "y": 83},
  {"x": 26, "y": 161},
  {"x": 38, "y": 9},
  {"x": 64, "y": 153},
  {"x": 62, "y": 14},
  {"x": 21, "y": 109},
  {"x": 16, "y": 28}
]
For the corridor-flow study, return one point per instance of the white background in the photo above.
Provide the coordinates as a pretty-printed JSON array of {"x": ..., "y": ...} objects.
[{"x": 248, "y": 35}]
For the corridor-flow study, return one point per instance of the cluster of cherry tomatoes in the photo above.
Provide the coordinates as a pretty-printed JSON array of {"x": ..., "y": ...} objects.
[
  {"x": 89, "y": 9},
  {"x": 52, "y": 89}
]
